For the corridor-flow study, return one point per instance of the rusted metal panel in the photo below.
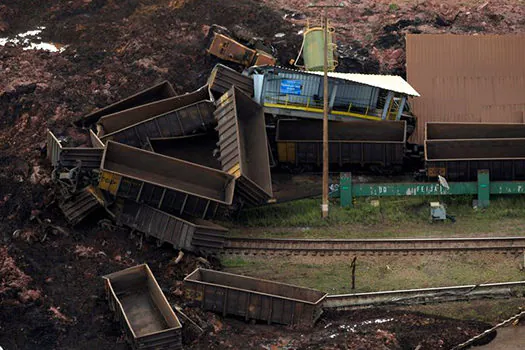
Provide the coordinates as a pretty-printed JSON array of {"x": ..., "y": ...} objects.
[
  {"x": 453, "y": 131},
  {"x": 497, "y": 149},
  {"x": 357, "y": 142},
  {"x": 123, "y": 119},
  {"x": 146, "y": 317},
  {"x": 187, "y": 233},
  {"x": 243, "y": 145},
  {"x": 466, "y": 170},
  {"x": 466, "y": 78},
  {"x": 70, "y": 157},
  {"x": 183, "y": 121},
  {"x": 154, "y": 93},
  {"x": 172, "y": 185},
  {"x": 254, "y": 298},
  {"x": 198, "y": 148},
  {"x": 79, "y": 206},
  {"x": 222, "y": 78}
]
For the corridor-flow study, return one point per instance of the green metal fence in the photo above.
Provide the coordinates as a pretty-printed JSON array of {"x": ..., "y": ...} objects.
[{"x": 483, "y": 188}]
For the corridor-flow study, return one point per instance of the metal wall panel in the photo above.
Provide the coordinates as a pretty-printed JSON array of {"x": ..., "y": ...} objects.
[
  {"x": 183, "y": 233},
  {"x": 222, "y": 78},
  {"x": 170, "y": 184},
  {"x": 123, "y": 119},
  {"x": 254, "y": 298},
  {"x": 462, "y": 78},
  {"x": 311, "y": 85},
  {"x": 183, "y": 121},
  {"x": 70, "y": 157},
  {"x": 143, "y": 311},
  {"x": 243, "y": 145}
]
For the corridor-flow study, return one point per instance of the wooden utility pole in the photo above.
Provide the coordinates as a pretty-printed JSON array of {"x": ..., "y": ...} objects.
[{"x": 324, "y": 204}]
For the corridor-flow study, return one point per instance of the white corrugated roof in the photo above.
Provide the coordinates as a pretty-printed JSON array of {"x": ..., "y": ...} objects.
[{"x": 388, "y": 82}]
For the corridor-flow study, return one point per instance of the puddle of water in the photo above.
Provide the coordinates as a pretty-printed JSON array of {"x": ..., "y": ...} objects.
[
  {"x": 352, "y": 328},
  {"x": 32, "y": 41}
]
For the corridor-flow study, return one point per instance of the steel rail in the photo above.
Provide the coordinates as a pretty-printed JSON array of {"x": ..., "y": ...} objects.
[
  {"x": 425, "y": 295},
  {"x": 283, "y": 246}
]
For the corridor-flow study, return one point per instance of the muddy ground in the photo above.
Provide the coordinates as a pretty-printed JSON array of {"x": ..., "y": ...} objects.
[{"x": 51, "y": 293}]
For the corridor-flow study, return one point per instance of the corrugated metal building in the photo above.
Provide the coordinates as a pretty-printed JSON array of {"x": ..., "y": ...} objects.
[
  {"x": 284, "y": 91},
  {"x": 464, "y": 78}
]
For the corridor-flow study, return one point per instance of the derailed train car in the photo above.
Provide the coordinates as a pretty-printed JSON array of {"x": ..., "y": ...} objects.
[
  {"x": 146, "y": 317},
  {"x": 155, "y": 93},
  {"x": 222, "y": 78},
  {"x": 183, "y": 121},
  {"x": 363, "y": 143},
  {"x": 254, "y": 298},
  {"x": 458, "y": 150},
  {"x": 112, "y": 123},
  {"x": 171, "y": 185},
  {"x": 187, "y": 233},
  {"x": 244, "y": 146}
]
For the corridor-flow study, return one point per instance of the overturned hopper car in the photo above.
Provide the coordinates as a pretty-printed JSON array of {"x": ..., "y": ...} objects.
[
  {"x": 154, "y": 93},
  {"x": 244, "y": 146},
  {"x": 254, "y": 298},
  {"x": 222, "y": 78},
  {"x": 171, "y": 185},
  {"x": 123, "y": 119},
  {"x": 190, "y": 234},
  {"x": 458, "y": 150},
  {"x": 196, "y": 148},
  {"x": 183, "y": 121},
  {"x": 70, "y": 157},
  {"x": 146, "y": 317},
  {"x": 364, "y": 143}
]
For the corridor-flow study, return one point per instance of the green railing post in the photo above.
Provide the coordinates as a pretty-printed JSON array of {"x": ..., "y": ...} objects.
[
  {"x": 345, "y": 190},
  {"x": 483, "y": 188}
]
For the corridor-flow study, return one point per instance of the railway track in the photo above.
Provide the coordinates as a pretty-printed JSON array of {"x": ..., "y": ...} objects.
[{"x": 334, "y": 247}]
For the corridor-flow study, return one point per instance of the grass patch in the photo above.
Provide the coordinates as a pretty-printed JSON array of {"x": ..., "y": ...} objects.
[
  {"x": 395, "y": 217},
  {"x": 333, "y": 275},
  {"x": 238, "y": 262}
]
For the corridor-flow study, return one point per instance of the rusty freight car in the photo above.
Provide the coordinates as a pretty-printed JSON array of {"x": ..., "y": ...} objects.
[
  {"x": 243, "y": 145},
  {"x": 186, "y": 233},
  {"x": 183, "y": 121},
  {"x": 254, "y": 298},
  {"x": 458, "y": 150},
  {"x": 155, "y": 93},
  {"x": 222, "y": 78},
  {"x": 364, "y": 143},
  {"x": 146, "y": 317},
  {"x": 196, "y": 148},
  {"x": 123, "y": 119},
  {"x": 70, "y": 157},
  {"x": 169, "y": 184}
]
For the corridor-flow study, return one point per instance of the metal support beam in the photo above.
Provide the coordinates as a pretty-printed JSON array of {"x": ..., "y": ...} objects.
[
  {"x": 386, "y": 108},
  {"x": 401, "y": 107},
  {"x": 483, "y": 188},
  {"x": 345, "y": 185},
  {"x": 332, "y": 97}
]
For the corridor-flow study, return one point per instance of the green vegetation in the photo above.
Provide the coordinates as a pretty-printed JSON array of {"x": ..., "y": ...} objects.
[
  {"x": 394, "y": 217},
  {"x": 393, "y": 7},
  {"x": 377, "y": 273}
]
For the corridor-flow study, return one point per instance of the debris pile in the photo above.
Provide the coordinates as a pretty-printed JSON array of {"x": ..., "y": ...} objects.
[{"x": 157, "y": 194}]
